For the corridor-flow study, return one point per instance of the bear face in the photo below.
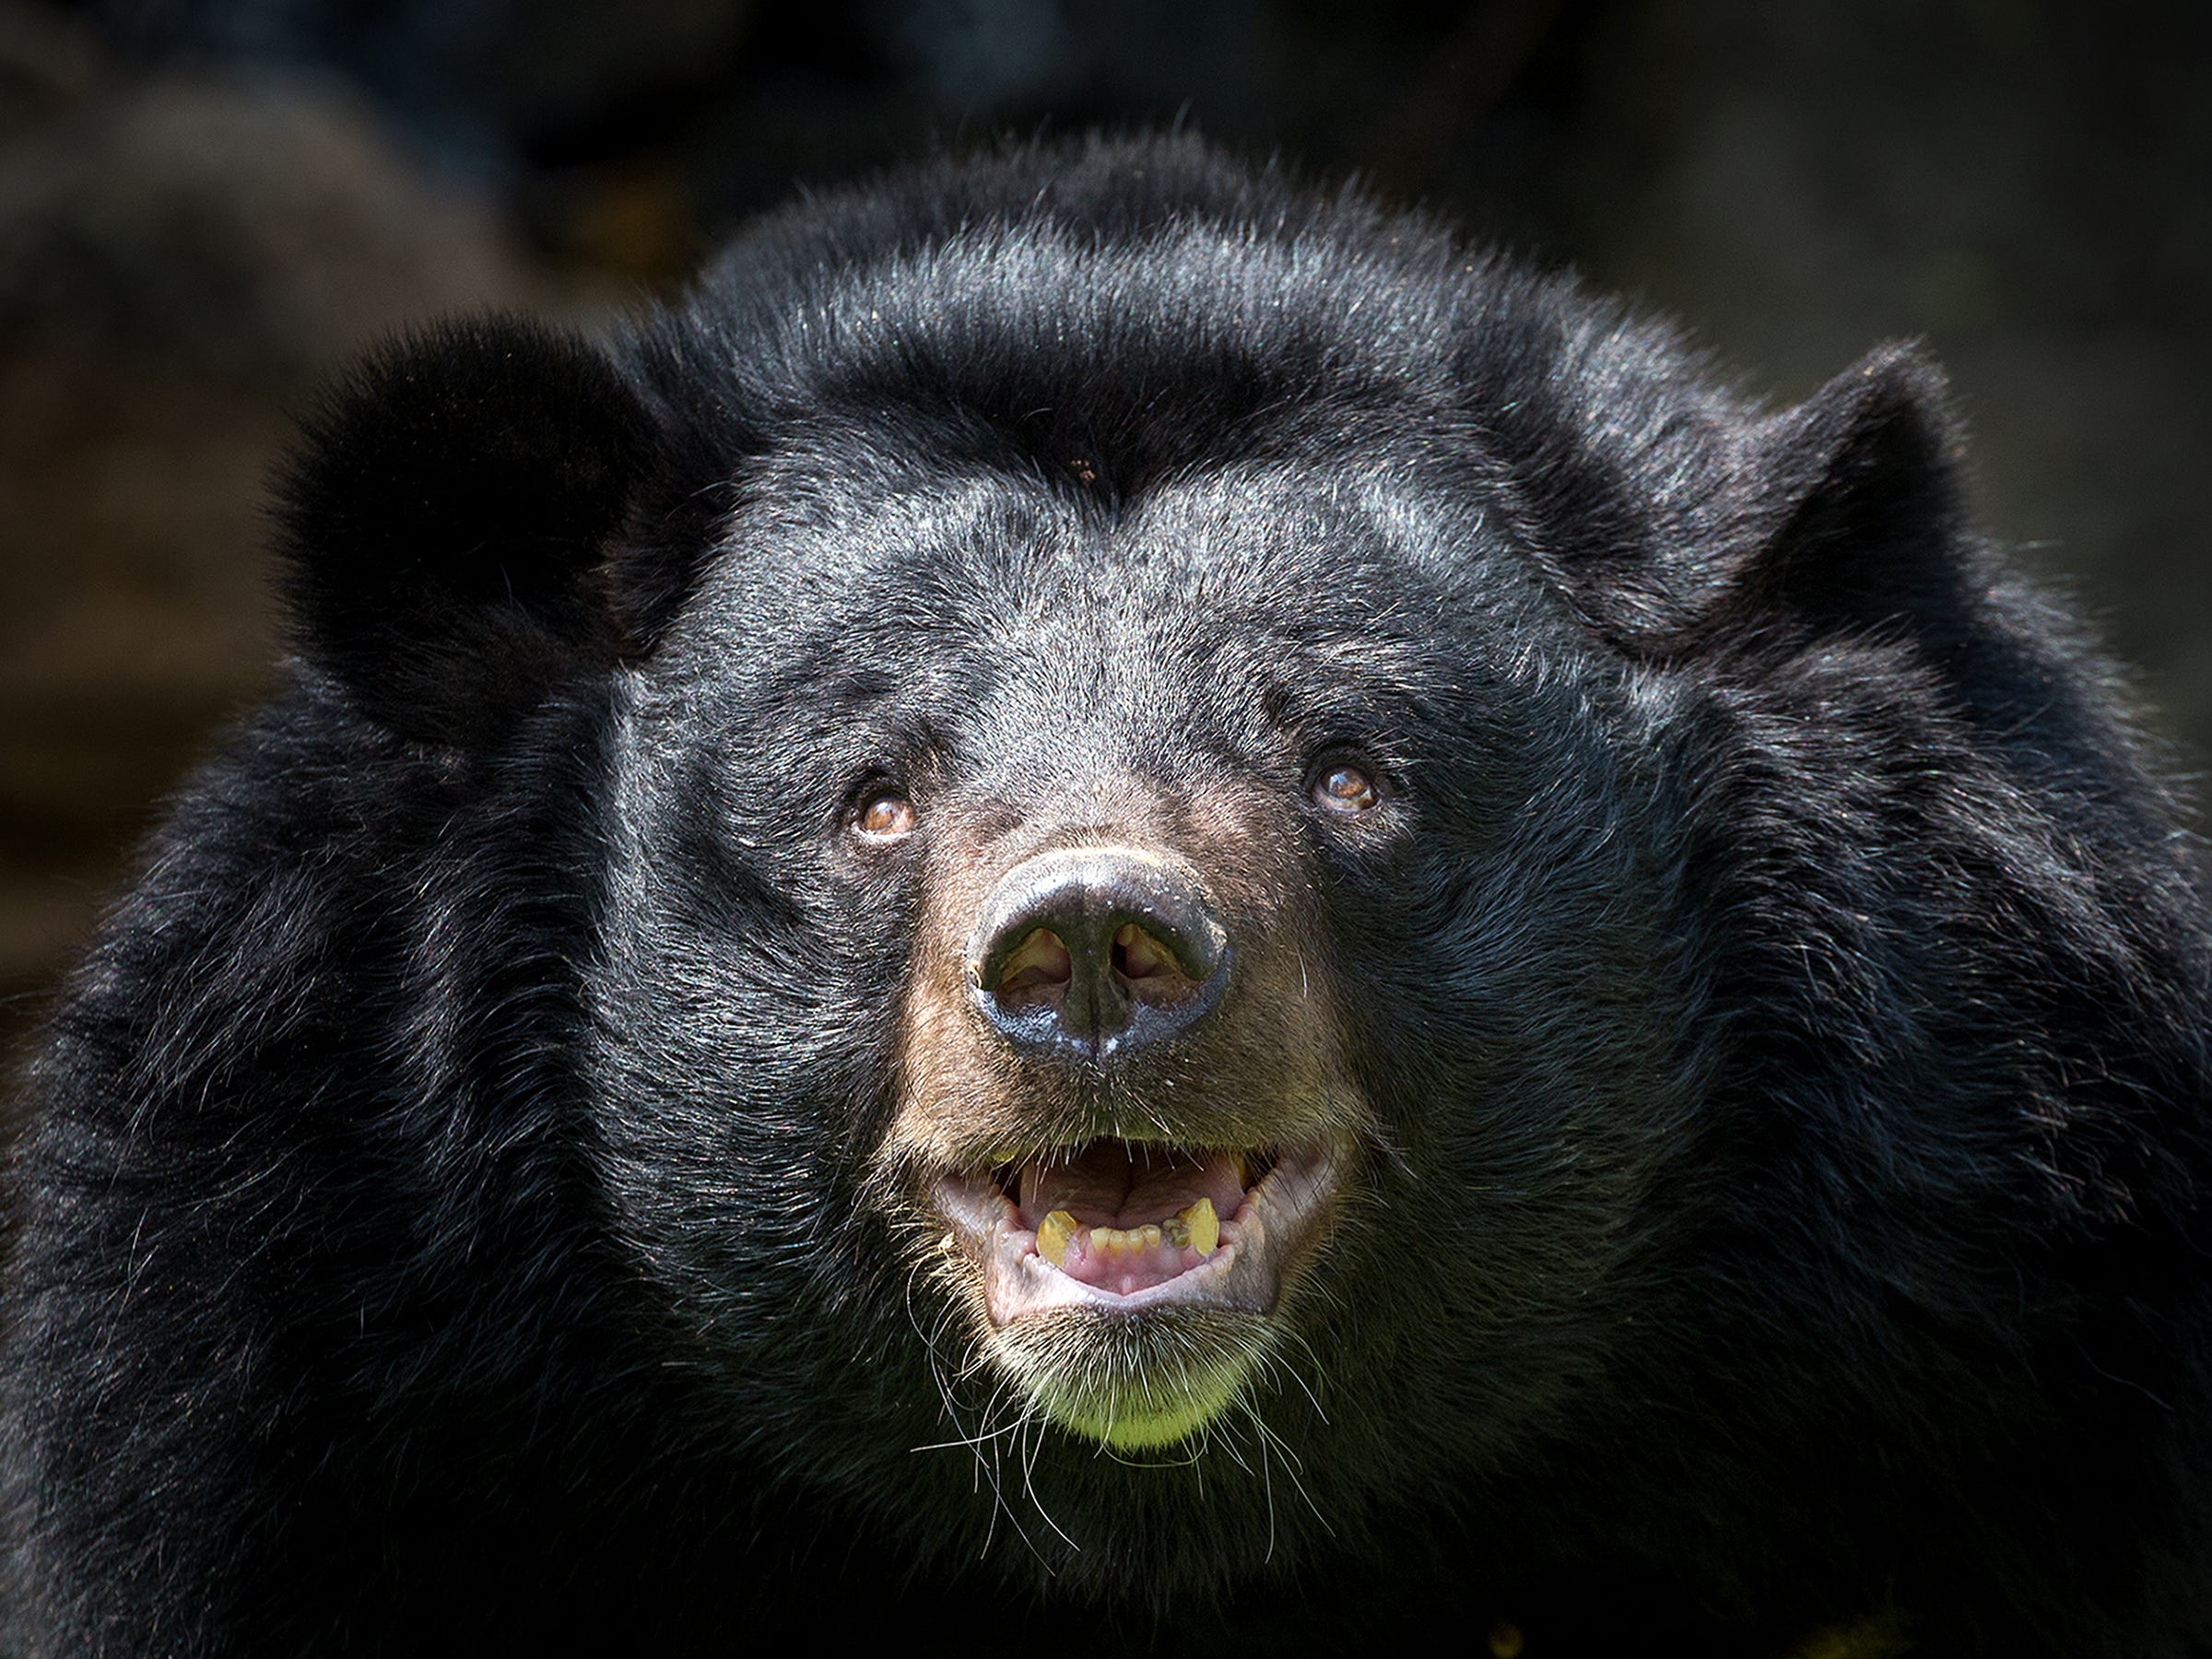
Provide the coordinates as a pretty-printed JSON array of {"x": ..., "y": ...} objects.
[
  {"x": 1114, "y": 893},
  {"x": 1218, "y": 727}
]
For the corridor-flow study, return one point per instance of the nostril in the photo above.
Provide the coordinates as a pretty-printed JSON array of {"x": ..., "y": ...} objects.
[
  {"x": 1150, "y": 967},
  {"x": 1035, "y": 968}
]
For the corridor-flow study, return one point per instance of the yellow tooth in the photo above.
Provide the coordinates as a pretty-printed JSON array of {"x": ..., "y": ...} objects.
[
  {"x": 1006, "y": 1157},
  {"x": 1116, "y": 1240},
  {"x": 1202, "y": 1226},
  {"x": 1053, "y": 1234},
  {"x": 1243, "y": 1169},
  {"x": 1196, "y": 1226}
]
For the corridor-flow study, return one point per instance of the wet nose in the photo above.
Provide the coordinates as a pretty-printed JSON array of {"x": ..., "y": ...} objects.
[{"x": 1097, "y": 950}]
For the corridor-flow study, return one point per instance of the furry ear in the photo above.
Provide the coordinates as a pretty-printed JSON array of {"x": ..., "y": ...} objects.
[
  {"x": 1860, "y": 513},
  {"x": 447, "y": 522}
]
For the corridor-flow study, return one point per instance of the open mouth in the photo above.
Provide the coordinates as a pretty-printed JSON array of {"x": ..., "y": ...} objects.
[{"x": 1121, "y": 1226}]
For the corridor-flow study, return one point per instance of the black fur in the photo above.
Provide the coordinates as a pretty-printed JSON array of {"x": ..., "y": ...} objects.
[
  {"x": 1777, "y": 982},
  {"x": 449, "y": 522}
]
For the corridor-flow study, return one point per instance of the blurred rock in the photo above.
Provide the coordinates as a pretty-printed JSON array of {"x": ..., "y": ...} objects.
[
  {"x": 47, "y": 59},
  {"x": 253, "y": 230}
]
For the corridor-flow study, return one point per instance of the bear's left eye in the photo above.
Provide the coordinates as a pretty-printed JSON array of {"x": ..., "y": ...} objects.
[
  {"x": 1342, "y": 787},
  {"x": 883, "y": 815}
]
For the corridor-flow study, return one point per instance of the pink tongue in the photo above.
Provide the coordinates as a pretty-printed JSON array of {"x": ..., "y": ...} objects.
[{"x": 1117, "y": 1183}]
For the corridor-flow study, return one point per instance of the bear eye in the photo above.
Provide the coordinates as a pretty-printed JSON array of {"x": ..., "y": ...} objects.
[
  {"x": 1343, "y": 787},
  {"x": 882, "y": 815}
]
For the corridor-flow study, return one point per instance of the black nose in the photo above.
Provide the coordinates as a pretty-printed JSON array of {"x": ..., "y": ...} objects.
[{"x": 1098, "y": 950}]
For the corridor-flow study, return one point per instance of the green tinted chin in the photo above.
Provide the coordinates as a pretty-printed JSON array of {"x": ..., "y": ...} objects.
[{"x": 1142, "y": 1415}]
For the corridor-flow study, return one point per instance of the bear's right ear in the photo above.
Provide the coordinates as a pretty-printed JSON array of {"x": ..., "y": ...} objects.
[
  {"x": 1860, "y": 511},
  {"x": 447, "y": 524}
]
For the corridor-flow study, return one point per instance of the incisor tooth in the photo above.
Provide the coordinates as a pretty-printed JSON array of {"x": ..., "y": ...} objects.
[
  {"x": 1053, "y": 1234},
  {"x": 1120, "y": 1241}
]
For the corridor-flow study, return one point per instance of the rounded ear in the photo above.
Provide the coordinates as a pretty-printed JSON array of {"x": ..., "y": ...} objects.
[
  {"x": 1861, "y": 523},
  {"x": 446, "y": 524}
]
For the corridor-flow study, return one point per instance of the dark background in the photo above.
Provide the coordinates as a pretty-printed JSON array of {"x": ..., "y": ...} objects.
[{"x": 208, "y": 204}]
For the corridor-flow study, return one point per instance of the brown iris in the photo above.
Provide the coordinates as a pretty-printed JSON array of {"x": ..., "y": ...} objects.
[
  {"x": 883, "y": 815},
  {"x": 1344, "y": 788}
]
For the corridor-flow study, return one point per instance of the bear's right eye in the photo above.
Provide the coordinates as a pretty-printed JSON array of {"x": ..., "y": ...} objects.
[
  {"x": 883, "y": 815},
  {"x": 1344, "y": 787}
]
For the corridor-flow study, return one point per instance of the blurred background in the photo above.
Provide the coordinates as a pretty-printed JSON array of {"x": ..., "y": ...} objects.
[{"x": 208, "y": 204}]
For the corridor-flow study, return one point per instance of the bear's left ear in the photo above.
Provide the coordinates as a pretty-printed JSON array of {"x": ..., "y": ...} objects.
[
  {"x": 1857, "y": 510},
  {"x": 448, "y": 521}
]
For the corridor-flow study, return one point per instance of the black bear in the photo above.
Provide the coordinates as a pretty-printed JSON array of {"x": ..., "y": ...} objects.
[{"x": 1114, "y": 907}]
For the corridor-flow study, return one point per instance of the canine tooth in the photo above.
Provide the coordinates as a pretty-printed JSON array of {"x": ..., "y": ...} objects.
[
  {"x": 1053, "y": 1234},
  {"x": 1202, "y": 1227}
]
